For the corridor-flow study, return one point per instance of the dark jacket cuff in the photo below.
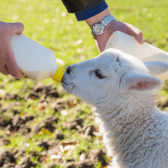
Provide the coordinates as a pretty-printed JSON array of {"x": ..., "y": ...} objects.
[
  {"x": 86, "y": 14},
  {"x": 74, "y": 6}
]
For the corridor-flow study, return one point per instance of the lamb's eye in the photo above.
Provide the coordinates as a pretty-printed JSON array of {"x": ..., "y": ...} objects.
[{"x": 99, "y": 74}]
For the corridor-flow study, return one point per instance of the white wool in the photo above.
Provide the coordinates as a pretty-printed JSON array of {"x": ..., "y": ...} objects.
[{"x": 134, "y": 130}]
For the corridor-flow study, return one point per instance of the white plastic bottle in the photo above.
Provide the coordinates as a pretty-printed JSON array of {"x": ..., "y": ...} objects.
[
  {"x": 34, "y": 60},
  {"x": 145, "y": 52}
]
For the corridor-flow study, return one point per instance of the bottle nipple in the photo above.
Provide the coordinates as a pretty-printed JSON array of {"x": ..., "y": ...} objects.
[{"x": 59, "y": 73}]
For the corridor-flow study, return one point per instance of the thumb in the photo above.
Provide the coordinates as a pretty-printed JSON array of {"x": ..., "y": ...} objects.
[{"x": 17, "y": 28}]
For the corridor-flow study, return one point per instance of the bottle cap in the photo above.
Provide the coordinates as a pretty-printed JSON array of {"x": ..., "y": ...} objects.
[{"x": 59, "y": 73}]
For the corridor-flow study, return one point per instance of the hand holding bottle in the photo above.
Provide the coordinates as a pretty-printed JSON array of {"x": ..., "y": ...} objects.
[
  {"x": 113, "y": 26},
  {"x": 118, "y": 26},
  {"x": 8, "y": 64}
]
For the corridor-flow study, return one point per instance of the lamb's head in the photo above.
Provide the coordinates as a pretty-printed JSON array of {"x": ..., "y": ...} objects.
[{"x": 109, "y": 76}]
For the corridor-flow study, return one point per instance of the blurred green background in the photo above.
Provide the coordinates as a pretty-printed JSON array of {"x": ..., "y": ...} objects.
[{"x": 48, "y": 23}]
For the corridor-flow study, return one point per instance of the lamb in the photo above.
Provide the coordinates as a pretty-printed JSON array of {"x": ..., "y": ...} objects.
[{"x": 120, "y": 88}]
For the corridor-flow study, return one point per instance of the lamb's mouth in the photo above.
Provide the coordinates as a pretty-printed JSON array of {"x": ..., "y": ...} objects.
[{"x": 68, "y": 87}]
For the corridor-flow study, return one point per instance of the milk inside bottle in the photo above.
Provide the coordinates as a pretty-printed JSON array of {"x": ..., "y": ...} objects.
[
  {"x": 34, "y": 60},
  {"x": 145, "y": 52}
]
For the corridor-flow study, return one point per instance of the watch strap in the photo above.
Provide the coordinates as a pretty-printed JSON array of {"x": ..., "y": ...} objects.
[{"x": 108, "y": 19}]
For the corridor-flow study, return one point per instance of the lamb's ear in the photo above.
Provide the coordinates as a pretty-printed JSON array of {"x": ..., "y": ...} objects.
[
  {"x": 156, "y": 67},
  {"x": 139, "y": 82}
]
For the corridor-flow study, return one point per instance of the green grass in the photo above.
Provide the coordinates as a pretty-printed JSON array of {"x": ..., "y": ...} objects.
[
  {"x": 16, "y": 141},
  {"x": 48, "y": 23}
]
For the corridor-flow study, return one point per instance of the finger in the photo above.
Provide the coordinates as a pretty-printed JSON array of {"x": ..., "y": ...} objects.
[
  {"x": 139, "y": 38},
  {"x": 12, "y": 65},
  {"x": 3, "y": 65},
  {"x": 17, "y": 28},
  {"x": 14, "y": 69},
  {"x": 133, "y": 31},
  {"x": 4, "y": 70}
]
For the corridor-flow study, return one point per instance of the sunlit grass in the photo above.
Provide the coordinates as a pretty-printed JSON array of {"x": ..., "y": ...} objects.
[
  {"x": 48, "y": 23},
  {"x": 15, "y": 141}
]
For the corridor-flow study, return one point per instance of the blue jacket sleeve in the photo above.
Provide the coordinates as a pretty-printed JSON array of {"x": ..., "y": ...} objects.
[{"x": 90, "y": 12}]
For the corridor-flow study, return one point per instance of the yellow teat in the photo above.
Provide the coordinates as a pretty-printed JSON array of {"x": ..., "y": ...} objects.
[{"x": 59, "y": 73}]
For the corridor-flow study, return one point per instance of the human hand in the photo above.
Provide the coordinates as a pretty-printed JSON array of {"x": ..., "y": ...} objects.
[
  {"x": 113, "y": 26},
  {"x": 129, "y": 29},
  {"x": 8, "y": 64}
]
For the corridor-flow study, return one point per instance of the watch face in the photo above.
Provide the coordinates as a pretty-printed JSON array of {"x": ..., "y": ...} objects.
[{"x": 97, "y": 28}]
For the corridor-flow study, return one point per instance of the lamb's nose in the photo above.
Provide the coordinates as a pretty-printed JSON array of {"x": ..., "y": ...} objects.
[{"x": 69, "y": 70}]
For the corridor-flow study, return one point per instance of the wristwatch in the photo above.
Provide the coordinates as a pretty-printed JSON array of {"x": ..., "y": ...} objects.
[{"x": 98, "y": 28}]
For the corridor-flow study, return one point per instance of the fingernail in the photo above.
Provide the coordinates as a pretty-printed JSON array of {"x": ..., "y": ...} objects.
[
  {"x": 141, "y": 41},
  {"x": 22, "y": 74},
  {"x": 19, "y": 76}
]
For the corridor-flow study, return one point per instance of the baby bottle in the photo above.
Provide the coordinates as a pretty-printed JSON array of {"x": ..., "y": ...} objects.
[
  {"x": 145, "y": 52},
  {"x": 34, "y": 60}
]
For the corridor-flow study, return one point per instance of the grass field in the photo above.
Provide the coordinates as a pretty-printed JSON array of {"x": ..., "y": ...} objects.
[{"x": 48, "y": 23}]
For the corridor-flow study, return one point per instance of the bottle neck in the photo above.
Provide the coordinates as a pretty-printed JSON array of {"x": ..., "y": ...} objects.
[{"x": 54, "y": 69}]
